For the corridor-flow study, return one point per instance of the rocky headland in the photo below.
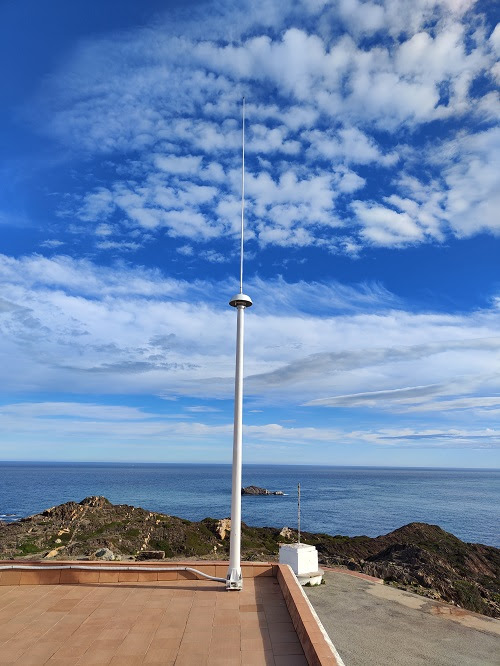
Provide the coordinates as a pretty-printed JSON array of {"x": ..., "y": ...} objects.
[{"x": 418, "y": 557}]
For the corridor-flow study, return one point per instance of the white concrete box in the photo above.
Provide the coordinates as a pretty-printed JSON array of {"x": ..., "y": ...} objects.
[{"x": 304, "y": 562}]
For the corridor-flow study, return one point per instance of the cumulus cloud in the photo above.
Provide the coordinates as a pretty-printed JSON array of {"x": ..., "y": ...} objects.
[
  {"x": 473, "y": 197},
  {"x": 349, "y": 145},
  {"x": 386, "y": 227},
  {"x": 340, "y": 95},
  {"x": 178, "y": 165}
]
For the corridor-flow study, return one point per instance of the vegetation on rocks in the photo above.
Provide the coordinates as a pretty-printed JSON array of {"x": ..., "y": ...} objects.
[{"x": 418, "y": 557}]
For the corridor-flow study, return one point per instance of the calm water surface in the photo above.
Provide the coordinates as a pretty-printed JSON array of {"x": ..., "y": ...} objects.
[{"x": 335, "y": 500}]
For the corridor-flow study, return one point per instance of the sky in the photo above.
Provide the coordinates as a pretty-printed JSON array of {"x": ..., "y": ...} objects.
[{"x": 372, "y": 222}]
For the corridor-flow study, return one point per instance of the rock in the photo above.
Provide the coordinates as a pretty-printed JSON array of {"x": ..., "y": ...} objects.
[
  {"x": 222, "y": 527},
  {"x": 95, "y": 501},
  {"x": 286, "y": 533},
  {"x": 255, "y": 490},
  {"x": 104, "y": 554},
  {"x": 53, "y": 553},
  {"x": 151, "y": 555}
]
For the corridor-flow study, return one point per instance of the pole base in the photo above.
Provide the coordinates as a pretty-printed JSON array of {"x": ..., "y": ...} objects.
[{"x": 234, "y": 580}]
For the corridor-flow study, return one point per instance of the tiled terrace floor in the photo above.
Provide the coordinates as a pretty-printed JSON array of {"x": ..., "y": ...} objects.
[{"x": 183, "y": 622}]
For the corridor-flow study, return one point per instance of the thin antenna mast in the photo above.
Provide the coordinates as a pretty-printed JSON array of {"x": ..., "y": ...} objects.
[
  {"x": 298, "y": 512},
  {"x": 242, "y": 195},
  {"x": 241, "y": 301}
]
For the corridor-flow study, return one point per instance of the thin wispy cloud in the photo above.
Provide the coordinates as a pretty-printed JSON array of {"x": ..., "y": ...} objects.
[
  {"x": 143, "y": 332},
  {"x": 118, "y": 427}
]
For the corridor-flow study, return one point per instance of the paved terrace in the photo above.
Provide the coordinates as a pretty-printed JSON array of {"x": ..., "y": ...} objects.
[
  {"x": 126, "y": 618},
  {"x": 401, "y": 628}
]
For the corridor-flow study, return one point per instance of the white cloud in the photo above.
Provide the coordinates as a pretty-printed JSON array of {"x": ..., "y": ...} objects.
[
  {"x": 465, "y": 198},
  {"x": 186, "y": 250},
  {"x": 362, "y": 17},
  {"x": 473, "y": 197},
  {"x": 119, "y": 425},
  {"x": 123, "y": 246},
  {"x": 200, "y": 409},
  {"x": 96, "y": 205},
  {"x": 349, "y": 181},
  {"x": 443, "y": 59},
  {"x": 74, "y": 410},
  {"x": 214, "y": 257},
  {"x": 264, "y": 140},
  {"x": 189, "y": 223},
  {"x": 318, "y": 92},
  {"x": 178, "y": 165},
  {"x": 127, "y": 330},
  {"x": 486, "y": 438},
  {"x": 291, "y": 198},
  {"x": 434, "y": 398},
  {"x": 51, "y": 243},
  {"x": 104, "y": 230},
  {"x": 386, "y": 227},
  {"x": 349, "y": 145},
  {"x": 67, "y": 322}
]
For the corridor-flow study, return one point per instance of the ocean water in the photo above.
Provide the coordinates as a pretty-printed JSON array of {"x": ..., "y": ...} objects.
[{"x": 336, "y": 500}]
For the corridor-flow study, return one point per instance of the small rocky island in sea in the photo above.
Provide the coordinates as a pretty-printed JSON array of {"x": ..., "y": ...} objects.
[
  {"x": 255, "y": 490},
  {"x": 417, "y": 557}
]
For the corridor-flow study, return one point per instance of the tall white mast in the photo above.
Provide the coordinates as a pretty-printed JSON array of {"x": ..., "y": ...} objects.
[{"x": 241, "y": 301}]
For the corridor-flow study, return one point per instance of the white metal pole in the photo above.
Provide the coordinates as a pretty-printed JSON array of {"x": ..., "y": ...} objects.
[
  {"x": 234, "y": 578},
  {"x": 240, "y": 302}
]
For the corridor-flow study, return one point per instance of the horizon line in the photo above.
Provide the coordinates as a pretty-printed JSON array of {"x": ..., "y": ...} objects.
[{"x": 228, "y": 464}]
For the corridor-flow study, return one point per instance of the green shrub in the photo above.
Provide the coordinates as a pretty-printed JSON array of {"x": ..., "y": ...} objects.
[
  {"x": 469, "y": 596},
  {"x": 27, "y": 548},
  {"x": 196, "y": 545},
  {"x": 162, "y": 545}
]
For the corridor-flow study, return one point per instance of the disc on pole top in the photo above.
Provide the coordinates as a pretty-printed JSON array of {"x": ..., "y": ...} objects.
[{"x": 240, "y": 299}]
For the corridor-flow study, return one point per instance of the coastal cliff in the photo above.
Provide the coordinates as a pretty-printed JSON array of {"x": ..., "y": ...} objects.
[{"x": 418, "y": 557}]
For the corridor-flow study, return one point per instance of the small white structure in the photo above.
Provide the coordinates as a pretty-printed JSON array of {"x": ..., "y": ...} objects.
[{"x": 304, "y": 562}]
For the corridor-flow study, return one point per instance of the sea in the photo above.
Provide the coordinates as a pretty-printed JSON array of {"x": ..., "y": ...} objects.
[{"x": 335, "y": 500}]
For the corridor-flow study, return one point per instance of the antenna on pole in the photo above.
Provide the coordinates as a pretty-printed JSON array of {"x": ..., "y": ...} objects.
[
  {"x": 242, "y": 194},
  {"x": 298, "y": 513},
  {"x": 241, "y": 301}
]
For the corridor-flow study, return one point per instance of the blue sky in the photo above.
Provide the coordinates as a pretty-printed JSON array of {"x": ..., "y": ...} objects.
[{"x": 372, "y": 215}]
